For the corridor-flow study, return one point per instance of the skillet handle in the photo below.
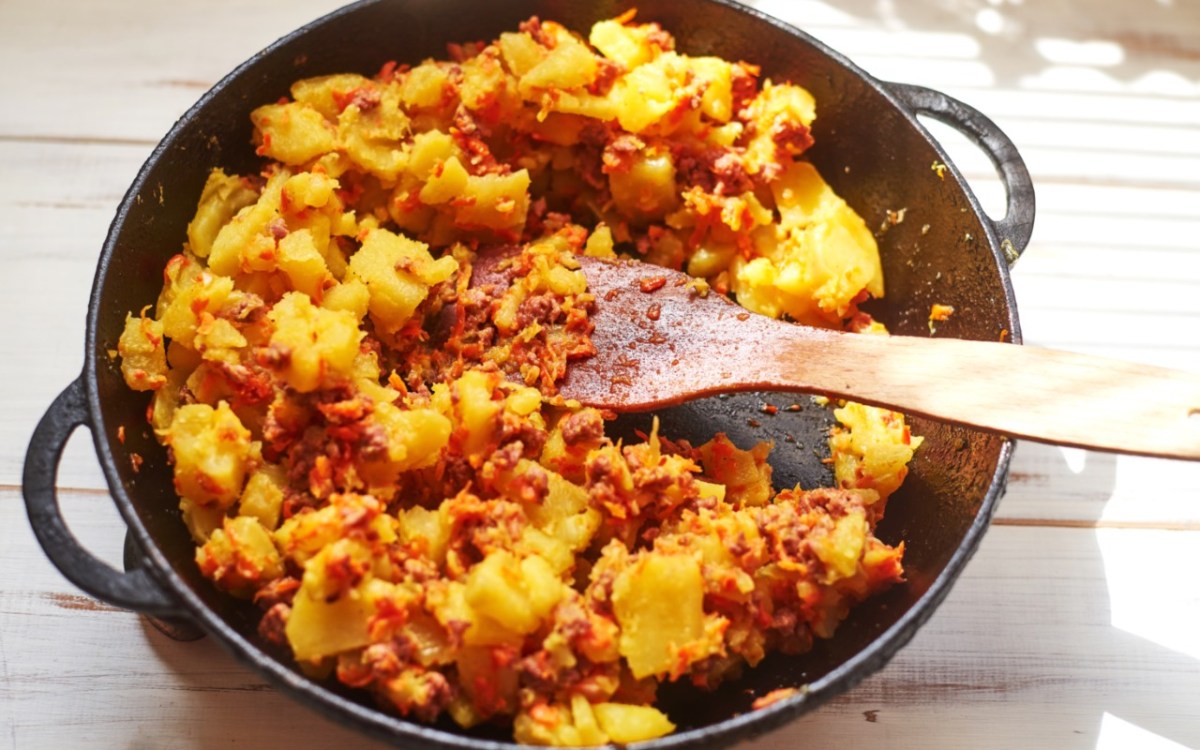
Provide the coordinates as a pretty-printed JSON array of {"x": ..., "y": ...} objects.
[
  {"x": 137, "y": 590},
  {"x": 1015, "y": 229}
]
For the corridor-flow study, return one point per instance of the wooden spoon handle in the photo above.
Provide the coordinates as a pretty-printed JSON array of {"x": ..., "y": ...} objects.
[
  {"x": 659, "y": 344},
  {"x": 1042, "y": 394}
]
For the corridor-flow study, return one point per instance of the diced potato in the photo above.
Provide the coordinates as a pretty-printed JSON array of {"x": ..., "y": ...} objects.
[
  {"x": 201, "y": 520},
  {"x": 646, "y": 95},
  {"x": 627, "y": 45},
  {"x": 223, "y": 196},
  {"x": 716, "y": 76},
  {"x": 307, "y": 190},
  {"x": 659, "y": 604},
  {"x": 246, "y": 240},
  {"x": 262, "y": 497},
  {"x": 746, "y": 475},
  {"x": 647, "y": 189},
  {"x": 338, "y": 568},
  {"x": 711, "y": 258},
  {"x": 212, "y": 450},
  {"x": 488, "y": 90},
  {"x": 566, "y": 515},
  {"x": 425, "y": 86},
  {"x": 416, "y": 437},
  {"x": 192, "y": 297},
  {"x": 520, "y": 52},
  {"x": 446, "y": 182},
  {"x": 488, "y": 681},
  {"x": 303, "y": 264},
  {"x": 429, "y": 150},
  {"x": 560, "y": 725},
  {"x": 218, "y": 340},
  {"x": 803, "y": 197},
  {"x": 780, "y": 117},
  {"x": 426, "y": 528},
  {"x": 600, "y": 243},
  {"x": 329, "y": 95},
  {"x": 873, "y": 448},
  {"x": 315, "y": 346},
  {"x": 292, "y": 133},
  {"x": 557, "y": 554},
  {"x": 353, "y": 296},
  {"x": 240, "y": 556},
  {"x": 143, "y": 353},
  {"x": 398, "y": 273},
  {"x": 449, "y": 605},
  {"x": 374, "y": 135},
  {"x": 472, "y": 402},
  {"x": 498, "y": 202},
  {"x": 818, "y": 263},
  {"x": 842, "y": 548},
  {"x": 602, "y": 108},
  {"x": 516, "y": 594},
  {"x": 568, "y": 66},
  {"x": 624, "y": 723},
  {"x": 317, "y": 628}
]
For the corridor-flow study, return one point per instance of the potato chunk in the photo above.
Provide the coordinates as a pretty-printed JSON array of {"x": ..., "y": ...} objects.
[
  {"x": 498, "y": 202},
  {"x": 212, "y": 450},
  {"x": 223, "y": 196},
  {"x": 872, "y": 449},
  {"x": 292, "y": 133},
  {"x": 398, "y": 273},
  {"x": 312, "y": 345},
  {"x": 143, "y": 354},
  {"x": 646, "y": 189},
  {"x": 516, "y": 594},
  {"x": 746, "y": 475},
  {"x": 263, "y": 496},
  {"x": 659, "y": 604},
  {"x": 624, "y": 723},
  {"x": 240, "y": 556},
  {"x": 318, "y": 627}
]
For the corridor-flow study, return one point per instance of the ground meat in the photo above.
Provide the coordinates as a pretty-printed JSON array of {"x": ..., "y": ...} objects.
[
  {"x": 272, "y": 626},
  {"x": 620, "y": 153},
  {"x": 583, "y": 426},
  {"x": 792, "y": 138}
]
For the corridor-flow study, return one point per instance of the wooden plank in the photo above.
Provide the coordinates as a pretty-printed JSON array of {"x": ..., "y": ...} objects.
[
  {"x": 56, "y": 205},
  {"x": 132, "y": 67},
  {"x": 1049, "y": 630}
]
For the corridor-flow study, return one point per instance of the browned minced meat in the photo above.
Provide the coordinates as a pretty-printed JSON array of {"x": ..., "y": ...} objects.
[{"x": 585, "y": 425}]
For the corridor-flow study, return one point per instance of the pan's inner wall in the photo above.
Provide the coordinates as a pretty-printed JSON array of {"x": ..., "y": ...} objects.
[{"x": 869, "y": 151}]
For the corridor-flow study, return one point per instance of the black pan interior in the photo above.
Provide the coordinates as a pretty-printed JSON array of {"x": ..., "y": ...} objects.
[{"x": 867, "y": 148}]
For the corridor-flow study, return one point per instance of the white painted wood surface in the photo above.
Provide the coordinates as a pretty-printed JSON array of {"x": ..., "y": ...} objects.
[{"x": 1074, "y": 626}]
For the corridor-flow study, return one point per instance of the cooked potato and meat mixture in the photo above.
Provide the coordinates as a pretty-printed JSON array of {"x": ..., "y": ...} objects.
[{"x": 372, "y": 449}]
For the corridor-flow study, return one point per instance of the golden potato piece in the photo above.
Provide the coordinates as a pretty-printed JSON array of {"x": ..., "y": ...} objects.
[
  {"x": 659, "y": 604},
  {"x": 311, "y": 345},
  {"x": 211, "y": 450},
  {"x": 292, "y": 133},
  {"x": 143, "y": 354}
]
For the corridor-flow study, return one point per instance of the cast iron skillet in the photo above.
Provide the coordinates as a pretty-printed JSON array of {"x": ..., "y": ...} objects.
[{"x": 870, "y": 146}]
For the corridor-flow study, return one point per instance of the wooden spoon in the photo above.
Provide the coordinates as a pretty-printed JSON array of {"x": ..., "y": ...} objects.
[{"x": 661, "y": 343}]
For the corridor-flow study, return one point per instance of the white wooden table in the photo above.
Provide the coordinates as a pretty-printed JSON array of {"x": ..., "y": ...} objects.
[{"x": 1076, "y": 625}]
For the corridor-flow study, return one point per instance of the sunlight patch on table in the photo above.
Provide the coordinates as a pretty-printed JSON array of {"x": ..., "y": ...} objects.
[
  {"x": 1152, "y": 594},
  {"x": 1118, "y": 734}
]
